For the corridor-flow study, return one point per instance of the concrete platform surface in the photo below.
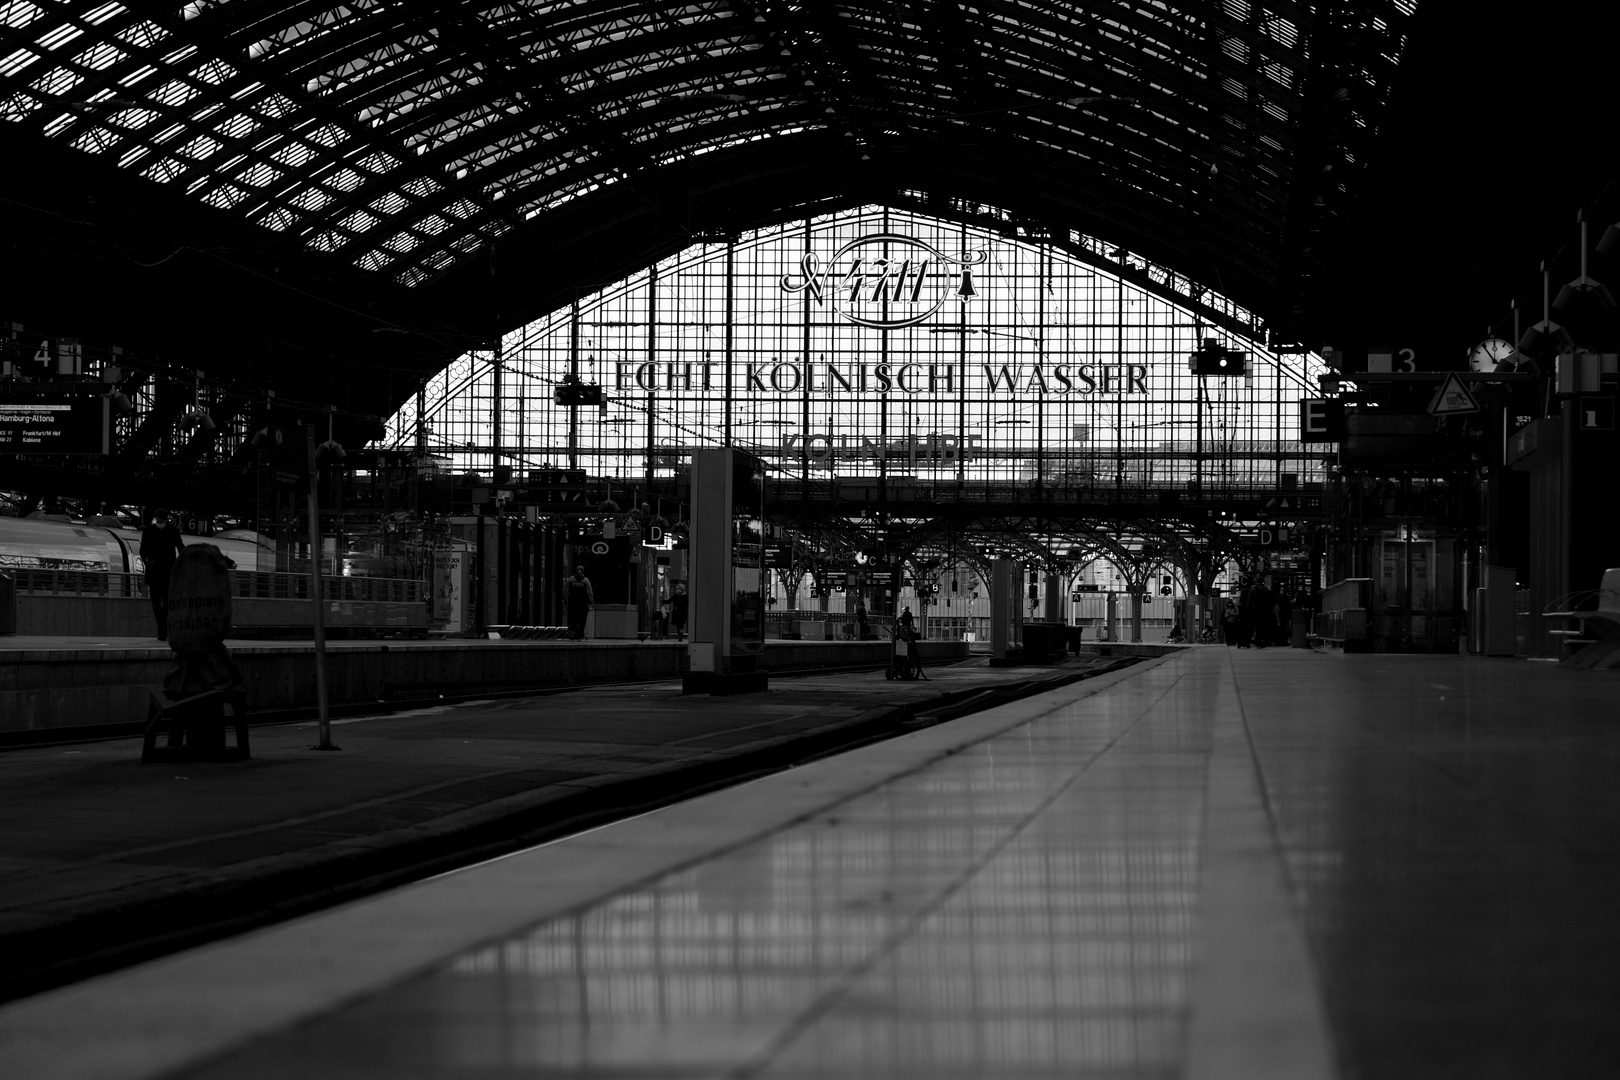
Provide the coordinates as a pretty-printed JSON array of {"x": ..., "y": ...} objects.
[
  {"x": 103, "y": 860},
  {"x": 51, "y": 684},
  {"x": 1218, "y": 865}
]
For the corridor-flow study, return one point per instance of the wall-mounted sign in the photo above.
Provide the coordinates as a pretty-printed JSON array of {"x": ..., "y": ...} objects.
[
  {"x": 55, "y": 422},
  {"x": 1321, "y": 420},
  {"x": 777, "y": 377},
  {"x": 823, "y": 449},
  {"x": 886, "y": 280}
]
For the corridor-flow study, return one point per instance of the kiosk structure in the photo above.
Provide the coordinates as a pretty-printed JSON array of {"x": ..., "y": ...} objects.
[{"x": 726, "y": 612}]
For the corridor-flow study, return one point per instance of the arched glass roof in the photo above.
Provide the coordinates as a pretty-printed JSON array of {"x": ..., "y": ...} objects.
[
  {"x": 403, "y": 138},
  {"x": 879, "y": 344}
]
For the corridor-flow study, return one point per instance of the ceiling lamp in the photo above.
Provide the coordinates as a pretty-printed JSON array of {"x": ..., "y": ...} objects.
[
  {"x": 1583, "y": 285},
  {"x": 1546, "y": 328},
  {"x": 196, "y": 418},
  {"x": 1611, "y": 239}
]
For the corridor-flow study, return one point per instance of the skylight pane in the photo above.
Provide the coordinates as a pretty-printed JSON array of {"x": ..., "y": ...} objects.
[
  {"x": 16, "y": 62},
  {"x": 19, "y": 13}
]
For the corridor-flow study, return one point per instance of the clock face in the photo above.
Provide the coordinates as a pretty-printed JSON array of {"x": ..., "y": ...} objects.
[{"x": 1490, "y": 353}]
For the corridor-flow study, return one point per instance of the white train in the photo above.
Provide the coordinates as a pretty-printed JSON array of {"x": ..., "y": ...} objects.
[
  {"x": 53, "y": 556},
  {"x": 35, "y": 544}
]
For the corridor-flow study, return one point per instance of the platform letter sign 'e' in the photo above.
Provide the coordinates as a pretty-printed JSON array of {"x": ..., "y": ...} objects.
[{"x": 1321, "y": 420}]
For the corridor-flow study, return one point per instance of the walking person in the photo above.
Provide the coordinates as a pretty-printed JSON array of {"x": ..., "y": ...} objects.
[
  {"x": 160, "y": 547},
  {"x": 677, "y": 610},
  {"x": 860, "y": 620},
  {"x": 580, "y": 601}
]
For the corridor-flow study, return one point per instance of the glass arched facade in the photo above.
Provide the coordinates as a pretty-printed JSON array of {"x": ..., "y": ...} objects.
[{"x": 884, "y": 345}]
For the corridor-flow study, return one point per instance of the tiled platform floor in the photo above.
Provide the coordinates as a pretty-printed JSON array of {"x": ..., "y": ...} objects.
[{"x": 1225, "y": 864}]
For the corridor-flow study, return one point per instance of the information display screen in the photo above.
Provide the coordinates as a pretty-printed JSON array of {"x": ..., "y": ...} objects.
[{"x": 54, "y": 422}]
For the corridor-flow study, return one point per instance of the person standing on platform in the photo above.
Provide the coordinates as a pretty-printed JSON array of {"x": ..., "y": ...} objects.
[
  {"x": 860, "y": 620},
  {"x": 160, "y": 547},
  {"x": 677, "y": 610},
  {"x": 580, "y": 601},
  {"x": 908, "y": 624},
  {"x": 1238, "y": 628},
  {"x": 1260, "y": 611}
]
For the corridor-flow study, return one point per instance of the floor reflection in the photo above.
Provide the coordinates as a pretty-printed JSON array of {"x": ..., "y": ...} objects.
[{"x": 1025, "y": 907}]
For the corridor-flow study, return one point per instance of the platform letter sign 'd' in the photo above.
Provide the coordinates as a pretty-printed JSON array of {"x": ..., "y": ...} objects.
[{"x": 886, "y": 280}]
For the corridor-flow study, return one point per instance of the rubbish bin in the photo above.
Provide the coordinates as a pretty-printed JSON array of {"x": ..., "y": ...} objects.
[
  {"x": 8, "y": 602},
  {"x": 1300, "y": 631},
  {"x": 1043, "y": 640}
]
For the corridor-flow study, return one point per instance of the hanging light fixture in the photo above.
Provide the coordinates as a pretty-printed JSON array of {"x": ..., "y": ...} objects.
[
  {"x": 1584, "y": 285},
  {"x": 196, "y": 418},
  {"x": 1546, "y": 328}
]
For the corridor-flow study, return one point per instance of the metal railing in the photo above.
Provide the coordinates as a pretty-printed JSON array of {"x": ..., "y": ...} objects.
[
  {"x": 245, "y": 584},
  {"x": 781, "y": 623}
]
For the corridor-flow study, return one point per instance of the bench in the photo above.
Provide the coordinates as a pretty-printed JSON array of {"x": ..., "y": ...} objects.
[
  {"x": 1594, "y": 642},
  {"x": 1343, "y": 620},
  {"x": 196, "y": 727},
  {"x": 516, "y": 632},
  {"x": 1345, "y": 627}
]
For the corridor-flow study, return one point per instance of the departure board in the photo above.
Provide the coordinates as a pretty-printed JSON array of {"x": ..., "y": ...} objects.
[{"x": 54, "y": 422}]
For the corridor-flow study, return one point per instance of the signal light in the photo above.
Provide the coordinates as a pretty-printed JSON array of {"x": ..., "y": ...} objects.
[
  {"x": 1212, "y": 359},
  {"x": 573, "y": 394}
]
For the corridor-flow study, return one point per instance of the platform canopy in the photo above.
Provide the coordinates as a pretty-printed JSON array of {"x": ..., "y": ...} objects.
[{"x": 386, "y": 184}]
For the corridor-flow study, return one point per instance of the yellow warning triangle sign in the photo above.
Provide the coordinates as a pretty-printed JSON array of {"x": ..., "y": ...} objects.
[{"x": 1452, "y": 399}]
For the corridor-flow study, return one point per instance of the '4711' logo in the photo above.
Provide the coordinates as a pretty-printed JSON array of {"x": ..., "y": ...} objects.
[{"x": 886, "y": 280}]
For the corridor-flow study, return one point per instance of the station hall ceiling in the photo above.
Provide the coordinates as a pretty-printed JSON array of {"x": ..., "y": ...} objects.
[{"x": 334, "y": 199}]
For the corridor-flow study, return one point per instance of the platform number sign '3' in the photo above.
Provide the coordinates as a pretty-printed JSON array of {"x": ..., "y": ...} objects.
[{"x": 1391, "y": 359}]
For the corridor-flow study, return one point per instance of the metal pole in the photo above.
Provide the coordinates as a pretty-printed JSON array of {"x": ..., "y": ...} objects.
[
  {"x": 573, "y": 373},
  {"x": 652, "y": 407},
  {"x": 1040, "y": 362},
  {"x": 731, "y": 329},
  {"x": 495, "y": 410},
  {"x": 315, "y": 593},
  {"x": 478, "y": 596}
]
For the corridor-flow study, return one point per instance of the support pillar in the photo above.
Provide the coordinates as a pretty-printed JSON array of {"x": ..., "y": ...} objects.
[
  {"x": 726, "y": 612},
  {"x": 1006, "y": 610}
]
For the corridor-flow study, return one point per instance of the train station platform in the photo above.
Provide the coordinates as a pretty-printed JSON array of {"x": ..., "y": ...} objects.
[
  {"x": 52, "y": 683},
  {"x": 104, "y": 859},
  {"x": 1216, "y": 864}
]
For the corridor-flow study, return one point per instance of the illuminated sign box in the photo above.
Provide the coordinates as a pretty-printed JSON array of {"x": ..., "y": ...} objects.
[{"x": 55, "y": 422}]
